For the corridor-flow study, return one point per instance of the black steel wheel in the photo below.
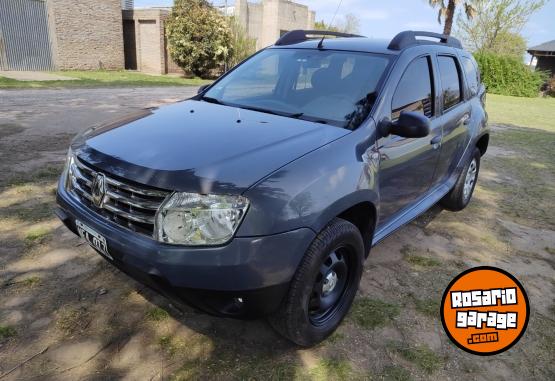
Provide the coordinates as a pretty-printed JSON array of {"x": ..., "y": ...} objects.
[
  {"x": 333, "y": 279},
  {"x": 324, "y": 285}
]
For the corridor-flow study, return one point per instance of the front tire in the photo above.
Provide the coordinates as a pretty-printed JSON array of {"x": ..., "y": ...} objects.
[
  {"x": 324, "y": 285},
  {"x": 459, "y": 197}
]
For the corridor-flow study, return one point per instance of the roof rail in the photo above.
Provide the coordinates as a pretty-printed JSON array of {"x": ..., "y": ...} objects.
[
  {"x": 408, "y": 38},
  {"x": 300, "y": 35}
]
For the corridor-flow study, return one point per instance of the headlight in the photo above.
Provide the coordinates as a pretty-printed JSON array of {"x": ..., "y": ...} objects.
[{"x": 195, "y": 219}]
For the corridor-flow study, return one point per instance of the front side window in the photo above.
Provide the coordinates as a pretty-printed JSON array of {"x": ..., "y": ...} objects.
[
  {"x": 414, "y": 92},
  {"x": 325, "y": 86},
  {"x": 450, "y": 81}
]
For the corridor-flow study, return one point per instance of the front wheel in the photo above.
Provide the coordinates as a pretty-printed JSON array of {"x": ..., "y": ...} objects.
[
  {"x": 459, "y": 197},
  {"x": 324, "y": 285}
]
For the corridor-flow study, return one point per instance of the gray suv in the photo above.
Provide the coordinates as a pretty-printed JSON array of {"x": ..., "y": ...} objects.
[{"x": 263, "y": 194}]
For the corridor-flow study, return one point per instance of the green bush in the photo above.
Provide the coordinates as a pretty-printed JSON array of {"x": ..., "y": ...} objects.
[
  {"x": 508, "y": 76},
  {"x": 199, "y": 37}
]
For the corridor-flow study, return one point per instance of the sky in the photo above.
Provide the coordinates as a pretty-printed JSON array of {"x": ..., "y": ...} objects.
[{"x": 384, "y": 19}]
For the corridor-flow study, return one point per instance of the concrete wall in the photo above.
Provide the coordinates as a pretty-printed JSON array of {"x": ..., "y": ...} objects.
[
  {"x": 87, "y": 34},
  {"x": 267, "y": 19}
]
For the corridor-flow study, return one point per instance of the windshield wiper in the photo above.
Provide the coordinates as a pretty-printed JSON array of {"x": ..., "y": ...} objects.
[
  {"x": 254, "y": 108},
  {"x": 212, "y": 100},
  {"x": 280, "y": 113}
]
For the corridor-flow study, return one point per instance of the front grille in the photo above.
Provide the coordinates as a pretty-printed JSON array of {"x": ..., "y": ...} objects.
[{"x": 131, "y": 206}]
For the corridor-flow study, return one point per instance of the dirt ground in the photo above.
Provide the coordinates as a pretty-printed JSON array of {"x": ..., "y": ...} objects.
[{"x": 66, "y": 314}]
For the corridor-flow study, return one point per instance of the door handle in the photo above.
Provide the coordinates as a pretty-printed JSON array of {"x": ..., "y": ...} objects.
[
  {"x": 435, "y": 142},
  {"x": 465, "y": 119},
  {"x": 436, "y": 139}
]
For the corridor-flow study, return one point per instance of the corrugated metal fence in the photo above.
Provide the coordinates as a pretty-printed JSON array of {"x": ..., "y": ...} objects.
[
  {"x": 127, "y": 4},
  {"x": 25, "y": 42}
]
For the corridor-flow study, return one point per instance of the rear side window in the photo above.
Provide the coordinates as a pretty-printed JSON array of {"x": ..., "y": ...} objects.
[
  {"x": 414, "y": 92},
  {"x": 472, "y": 76},
  {"x": 450, "y": 81}
]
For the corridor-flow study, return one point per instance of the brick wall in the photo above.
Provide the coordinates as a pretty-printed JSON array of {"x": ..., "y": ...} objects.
[{"x": 87, "y": 34}]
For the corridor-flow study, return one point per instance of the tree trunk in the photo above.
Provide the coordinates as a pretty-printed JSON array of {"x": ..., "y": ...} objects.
[{"x": 449, "y": 16}]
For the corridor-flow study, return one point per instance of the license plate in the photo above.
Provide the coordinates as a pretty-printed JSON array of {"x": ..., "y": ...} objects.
[{"x": 94, "y": 239}]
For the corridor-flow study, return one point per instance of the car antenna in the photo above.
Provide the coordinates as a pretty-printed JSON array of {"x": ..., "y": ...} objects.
[{"x": 321, "y": 43}]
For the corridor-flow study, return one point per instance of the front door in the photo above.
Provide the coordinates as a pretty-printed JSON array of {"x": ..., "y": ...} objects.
[{"x": 407, "y": 165}]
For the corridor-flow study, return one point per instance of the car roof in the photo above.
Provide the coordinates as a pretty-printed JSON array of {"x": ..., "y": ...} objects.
[
  {"x": 353, "y": 44},
  {"x": 310, "y": 39}
]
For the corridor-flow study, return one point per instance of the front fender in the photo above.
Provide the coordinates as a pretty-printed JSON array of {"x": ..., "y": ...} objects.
[{"x": 315, "y": 188}]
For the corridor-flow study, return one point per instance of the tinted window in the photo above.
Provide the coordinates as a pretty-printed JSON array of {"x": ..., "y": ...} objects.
[
  {"x": 325, "y": 86},
  {"x": 472, "y": 77},
  {"x": 450, "y": 81},
  {"x": 414, "y": 92}
]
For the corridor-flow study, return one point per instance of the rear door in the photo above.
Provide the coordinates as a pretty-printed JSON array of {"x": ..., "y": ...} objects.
[
  {"x": 455, "y": 117},
  {"x": 407, "y": 165}
]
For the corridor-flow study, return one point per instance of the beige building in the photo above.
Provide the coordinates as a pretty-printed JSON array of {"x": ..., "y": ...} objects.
[
  {"x": 145, "y": 43},
  {"x": 60, "y": 34},
  {"x": 267, "y": 20},
  {"x": 110, "y": 34},
  {"x": 146, "y": 48}
]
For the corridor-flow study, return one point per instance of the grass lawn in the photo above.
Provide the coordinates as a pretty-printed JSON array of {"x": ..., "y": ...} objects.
[
  {"x": 95, "y": 320},
  {"x": 102, "y": 78},
  {"x": 525, "y": 112}
]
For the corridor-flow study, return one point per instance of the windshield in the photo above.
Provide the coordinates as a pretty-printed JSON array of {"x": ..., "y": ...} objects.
[{"x": 324, "y": 86}]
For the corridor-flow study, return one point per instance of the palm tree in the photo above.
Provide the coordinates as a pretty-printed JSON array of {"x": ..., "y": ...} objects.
[{"x": 447, "y": 12}]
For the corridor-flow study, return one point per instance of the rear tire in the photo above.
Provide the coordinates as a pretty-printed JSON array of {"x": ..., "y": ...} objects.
[
  {"x": 324, "y": 285},
  {"x": 459, "y": 197}
]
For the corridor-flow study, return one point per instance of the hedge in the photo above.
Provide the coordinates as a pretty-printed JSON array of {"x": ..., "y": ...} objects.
[{"x": 509, "y": 76}]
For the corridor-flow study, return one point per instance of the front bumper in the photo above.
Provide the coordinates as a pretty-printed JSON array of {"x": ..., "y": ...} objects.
[{"x": 248, "y": 277}]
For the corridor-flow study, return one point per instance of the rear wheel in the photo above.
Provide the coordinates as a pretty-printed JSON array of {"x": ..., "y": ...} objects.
[
  {"x": 459, "y": 197},
  {"x": 324, "y": 286}
]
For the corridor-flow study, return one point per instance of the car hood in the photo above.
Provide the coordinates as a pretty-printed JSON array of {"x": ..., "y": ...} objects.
[{"x": 202, "y": 147}]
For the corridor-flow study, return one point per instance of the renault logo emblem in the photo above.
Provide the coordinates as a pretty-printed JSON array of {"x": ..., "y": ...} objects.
[{"x": 98, "y": 189}]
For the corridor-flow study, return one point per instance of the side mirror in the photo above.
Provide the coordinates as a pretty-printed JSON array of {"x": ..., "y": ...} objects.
[
  {"x": 203, "y": 87},
  {"x": 409, "y": 125}
]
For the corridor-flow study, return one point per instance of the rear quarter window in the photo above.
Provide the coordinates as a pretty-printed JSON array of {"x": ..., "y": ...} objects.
[{"x": 472, "y": 75}]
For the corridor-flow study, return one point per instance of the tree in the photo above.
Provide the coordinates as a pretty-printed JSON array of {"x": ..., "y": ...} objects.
[
  {"x": 321, "y": 25},
  {"x": 243, "y": 45},
  {"x": 447, "y": 12},
  {"x": 199, "y": 37},
  {"x": 508, "y": 44},
  {"x": 497, "y": 26},
  {"x": 349, "y": 24}
]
